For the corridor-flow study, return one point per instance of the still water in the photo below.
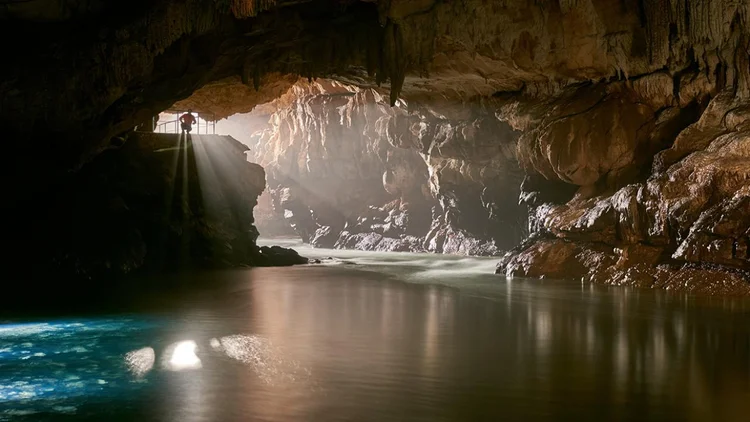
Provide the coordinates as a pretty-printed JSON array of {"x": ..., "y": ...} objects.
[{"x": 384, "y": 337}]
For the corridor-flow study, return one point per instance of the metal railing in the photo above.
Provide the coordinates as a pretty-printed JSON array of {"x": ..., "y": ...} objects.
[{"x": 173, "y": 126}]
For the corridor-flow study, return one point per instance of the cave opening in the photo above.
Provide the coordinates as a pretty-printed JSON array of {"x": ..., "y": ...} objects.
[
  {"x": 381, "y": 125},
  {"x": 344, "y": 169},
  {"x": 334, "y": 210}
]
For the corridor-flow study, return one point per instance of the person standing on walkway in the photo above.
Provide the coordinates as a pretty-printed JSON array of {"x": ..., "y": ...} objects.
[{"x": 187, "y": 120}]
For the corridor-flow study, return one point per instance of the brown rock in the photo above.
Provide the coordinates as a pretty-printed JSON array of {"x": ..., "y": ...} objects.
[
  {"x": 635, "y": 254},
  {"x": 694, "y": 211},
  {"x": 555, "y": 259},
  {"x": 720, "y": 235}
]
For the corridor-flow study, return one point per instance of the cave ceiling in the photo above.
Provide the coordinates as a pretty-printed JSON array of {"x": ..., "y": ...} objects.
[
  {"x": 448, "y": 54},
  {"x": 116, "y": 64}
]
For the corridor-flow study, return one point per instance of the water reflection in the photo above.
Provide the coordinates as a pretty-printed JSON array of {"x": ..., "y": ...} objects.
[
  {"x": 336, "y": 344},
  {"x": 181, "y": 356},
  {"x": 140, "y": 361},
  {"x": 525, "y": 349},
  {"x": 266, "y": 361}
]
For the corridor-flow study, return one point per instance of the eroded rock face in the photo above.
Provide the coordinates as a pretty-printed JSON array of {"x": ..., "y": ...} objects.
[
  {"x": 228, "y": 96},
  {"x": 347, "y": 170},
  {"x": 685, "y": 227}
]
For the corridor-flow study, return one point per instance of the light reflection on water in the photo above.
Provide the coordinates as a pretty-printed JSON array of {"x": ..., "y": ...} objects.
[
  {"x": 140, "y": 361},
  {"x": 335, "y": 343},
  {"x": 181, "y": 356},
  {"x": 83, "y": 363}
]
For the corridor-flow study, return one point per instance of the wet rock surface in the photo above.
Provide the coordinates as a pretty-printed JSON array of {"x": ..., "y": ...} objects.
[
  {"x": 276, "y": 256},
  {"x": 685, "y": 227}
]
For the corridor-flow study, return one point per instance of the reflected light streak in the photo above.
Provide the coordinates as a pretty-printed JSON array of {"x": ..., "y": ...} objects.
[
  {"x": 266, "y": 361},
  {"x": 140, "y": 361},
  {"x": 182, "y": 356}
]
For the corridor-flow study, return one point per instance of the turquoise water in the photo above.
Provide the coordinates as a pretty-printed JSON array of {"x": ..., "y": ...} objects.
[{"x": 56, "y": 365}]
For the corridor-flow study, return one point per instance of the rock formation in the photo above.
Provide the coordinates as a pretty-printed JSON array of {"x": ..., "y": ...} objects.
[
  {"x": 349, "y": 171},
  {"x": 154, "y": 203},
  {"x": 626, "y": 118},
  {"x": 683, "y": 225}
]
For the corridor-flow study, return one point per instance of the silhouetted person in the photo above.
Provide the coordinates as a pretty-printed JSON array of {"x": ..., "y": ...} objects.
[{"x": 187, "y": 120}]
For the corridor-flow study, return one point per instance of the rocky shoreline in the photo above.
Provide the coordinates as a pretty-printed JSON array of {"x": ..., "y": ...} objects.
[
  {"x": 686, "y": 227},
  {"x": 663, "y": 204}
]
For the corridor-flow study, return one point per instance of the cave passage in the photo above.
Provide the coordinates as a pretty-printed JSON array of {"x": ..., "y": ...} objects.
[
  {"x": 599, "y": 141},
  {"x": 344, "y": 171},
  {"x": 324, "y": 210}
]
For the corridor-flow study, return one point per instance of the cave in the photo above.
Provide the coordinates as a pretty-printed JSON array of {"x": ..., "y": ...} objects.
[
  {"x": 375, "y": 210},
  {"x": 599, "y": 140},
  {"x": 346, "y": 170}
]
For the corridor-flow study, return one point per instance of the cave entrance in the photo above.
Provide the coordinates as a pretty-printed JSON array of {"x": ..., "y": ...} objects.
[
  {"x": 168, "y": 121},
  {"x": 344, "y": 169}
]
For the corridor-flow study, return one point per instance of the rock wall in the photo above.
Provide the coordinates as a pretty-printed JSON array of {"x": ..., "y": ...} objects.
[
  {"x": 663, "y": 203},
  {"x": 626, "y": 122},
  {"x": 155, "y": 203},
  {"x": 348, "y": 171}
]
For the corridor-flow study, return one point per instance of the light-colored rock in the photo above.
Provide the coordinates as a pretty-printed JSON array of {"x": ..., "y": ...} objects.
[{"x": 343, "y": 161}]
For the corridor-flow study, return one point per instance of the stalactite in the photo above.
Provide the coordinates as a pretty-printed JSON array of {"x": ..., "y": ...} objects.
[
  {"x": 406, "y": 46},
  {"x": 246, "y": 72},
  {"x": 373, "y": 56},
  {"x": 256, "y": 78},
  {"x": 316, "y": 127},
  {"x": 249, "y": 8},
  {"x": 384, "y": 8},
  {"x": 394, "y": 60},
  {"x": 251, "y": 70}
]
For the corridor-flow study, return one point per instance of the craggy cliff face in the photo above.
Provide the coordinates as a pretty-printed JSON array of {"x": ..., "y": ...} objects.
[
  {"x": 624, "y": 119},
  {"x": 348, "y": 170}
]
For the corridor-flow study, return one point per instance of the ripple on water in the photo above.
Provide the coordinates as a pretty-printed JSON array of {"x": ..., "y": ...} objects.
[
  {"x": 50, "y": 367},
  {"x": 268, "y": 362}
]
